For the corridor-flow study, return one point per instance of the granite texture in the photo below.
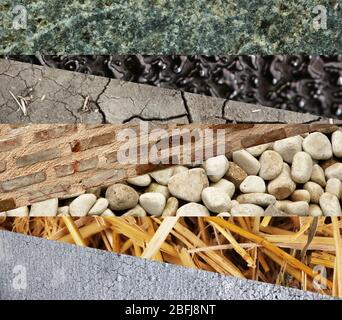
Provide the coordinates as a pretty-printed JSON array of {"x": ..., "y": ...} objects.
[
  {"x": 33, "y": 268},
  {"x": 176, "y": 26}
]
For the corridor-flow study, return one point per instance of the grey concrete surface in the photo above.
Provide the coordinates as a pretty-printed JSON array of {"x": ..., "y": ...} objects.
[
  {"x": 58, "y": 96},
  {"x": 34, "y": 268}
]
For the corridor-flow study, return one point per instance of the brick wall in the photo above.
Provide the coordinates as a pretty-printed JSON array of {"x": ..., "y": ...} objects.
[{"x": 43, "y": 161}]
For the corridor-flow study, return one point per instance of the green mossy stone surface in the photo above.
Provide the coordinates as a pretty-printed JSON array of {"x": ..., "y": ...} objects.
[{"x": 174, "y": 26}]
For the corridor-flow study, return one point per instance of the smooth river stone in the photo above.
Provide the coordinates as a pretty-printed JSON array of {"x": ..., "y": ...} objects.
[
  {"x": 260, "y": 199},
  {"x": 288, "y": 147},
  {"x": 282, "y": 186},
  {"x": 47, "y": 208},
  {"x": 271, "y": 165},
  {"x": 153, "y": 203},
  {"x": 99, "y": 207},
  {"x": 247, "y": 210},
  {"x": 318, "y": 146},
  {"x": 216, "y": 200},
  {"x": 82, "y": 204},
  {"x": 121, "y": 197},
  {"x": 334, "y": 171},
  {"x": 162, "y": 176},
  {"x": 188, "y": 185},
  {"x": 193, "y": 209},
  {"x": 247, "y": 162},
  {"x": 315, "y": 191},
  {"x": 225, "y": 185},
  {"x": 216, "y": 167},
  {"x": 301, "y": 168},
  {"x": 336, "y": 141},
  {"x": 253, "y": 184},
  {"x": 140, "y": 181},
  {"x": 330, "y": 205}
]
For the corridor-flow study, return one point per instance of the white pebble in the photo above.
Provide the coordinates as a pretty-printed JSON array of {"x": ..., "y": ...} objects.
[
  {"x": 246, "y": 161},
  {"x": 224, "y": 214},
  {"x": 271, "y": 165},
  {"x": 336, "y": 141},
  {"x": 225, "y": 185},
  {"x": 297, "y": 208},
  {"x": 140, "y": 181},
  {"x": 18, "y": 212},
  {"x": 317, "y": 175},
  {"x": 301, "y": 167},
  {"x": 334, "y": 171},
  {"x": 247, "y": 210},
  {"x": 260, "y": 199},
  {"x": 315, "y": 191},
  {"x": 256, "y": 151},
  {"x": 234, "y": 203},
  {"x": 82, "y": 204},
  {"x": 216, "y": 200},
  {"x": 163, "y": 176},
  {"x": 63, "y": 211},
  {"x": 179, "y": 169},
  {"x": 108, "y": 213},
  {"x": 288, "y": 147},
  {"x": 188, "y": 185},
  {"x": 301, "y": 195},
  {"x": 334, "y": 187},
  {"x": 153, "y": 203},
  {"x": 216, "y": 167},
  {"x": 47, "y": 208},
  {"x": 193, "y": 209},
  {"x": 137, "y": 211},
  {"x": 121, "y": 197},
  {"x": 282, "y": 186},
  {"x": 315, "y": 210},
  {"x": 330, "y": 205},
  {"x": 99, "y": 207},
  {"x": 171, "y": 207},
  {"x": 282, "y": 204},
  {"x": 155, "y": 187},
  {"x": 318, "y": 146},
  {"x": 253, "y": 184}
]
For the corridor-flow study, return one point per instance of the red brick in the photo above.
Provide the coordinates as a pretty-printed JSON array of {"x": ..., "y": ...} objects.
[
  {"x": 49, "y": 192},
  {"x": 40, "y": 156},
  {"x": 96, "y": 141},
  {"x": 104, "y": 178},
  {"x": 64, "y": 170},
  {"x": 54, "y": 133},
  {"x": 23, "y": 181},
  {"x": 10, "y": 144},
  {"x": 111, "y": 156},
  {"x": 87, "y": 164},
  {"x": 2, "y": 166}
]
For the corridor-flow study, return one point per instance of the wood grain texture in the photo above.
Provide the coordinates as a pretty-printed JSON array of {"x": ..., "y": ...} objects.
[{"x": 43, "y": 161}]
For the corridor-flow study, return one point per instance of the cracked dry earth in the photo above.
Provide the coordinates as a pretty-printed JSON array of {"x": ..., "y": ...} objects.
[
  {"x": 58, "y": 96},
  {"x": 299, "y": 175},
  {"x": 55, "y": 96}
]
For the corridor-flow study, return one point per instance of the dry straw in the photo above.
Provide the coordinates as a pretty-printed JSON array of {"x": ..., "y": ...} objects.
[{"x": 263, "y": 249}]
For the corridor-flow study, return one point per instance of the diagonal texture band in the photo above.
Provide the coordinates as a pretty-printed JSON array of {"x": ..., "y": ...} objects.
[
  {"x": 33, "y": 268},
  {"x": 58, "y": 96}
]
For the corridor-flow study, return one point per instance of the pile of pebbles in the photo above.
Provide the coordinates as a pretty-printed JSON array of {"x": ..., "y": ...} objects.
[{"x": 300, "y": 175}]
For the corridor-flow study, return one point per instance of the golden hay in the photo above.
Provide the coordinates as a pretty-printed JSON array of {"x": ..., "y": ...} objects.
[{"x": 266, "y": 250}]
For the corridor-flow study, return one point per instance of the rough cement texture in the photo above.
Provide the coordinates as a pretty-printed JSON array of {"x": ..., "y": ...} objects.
[
  {"x": 58, "y": 96},
  {"x": 33, "y": 268}
]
